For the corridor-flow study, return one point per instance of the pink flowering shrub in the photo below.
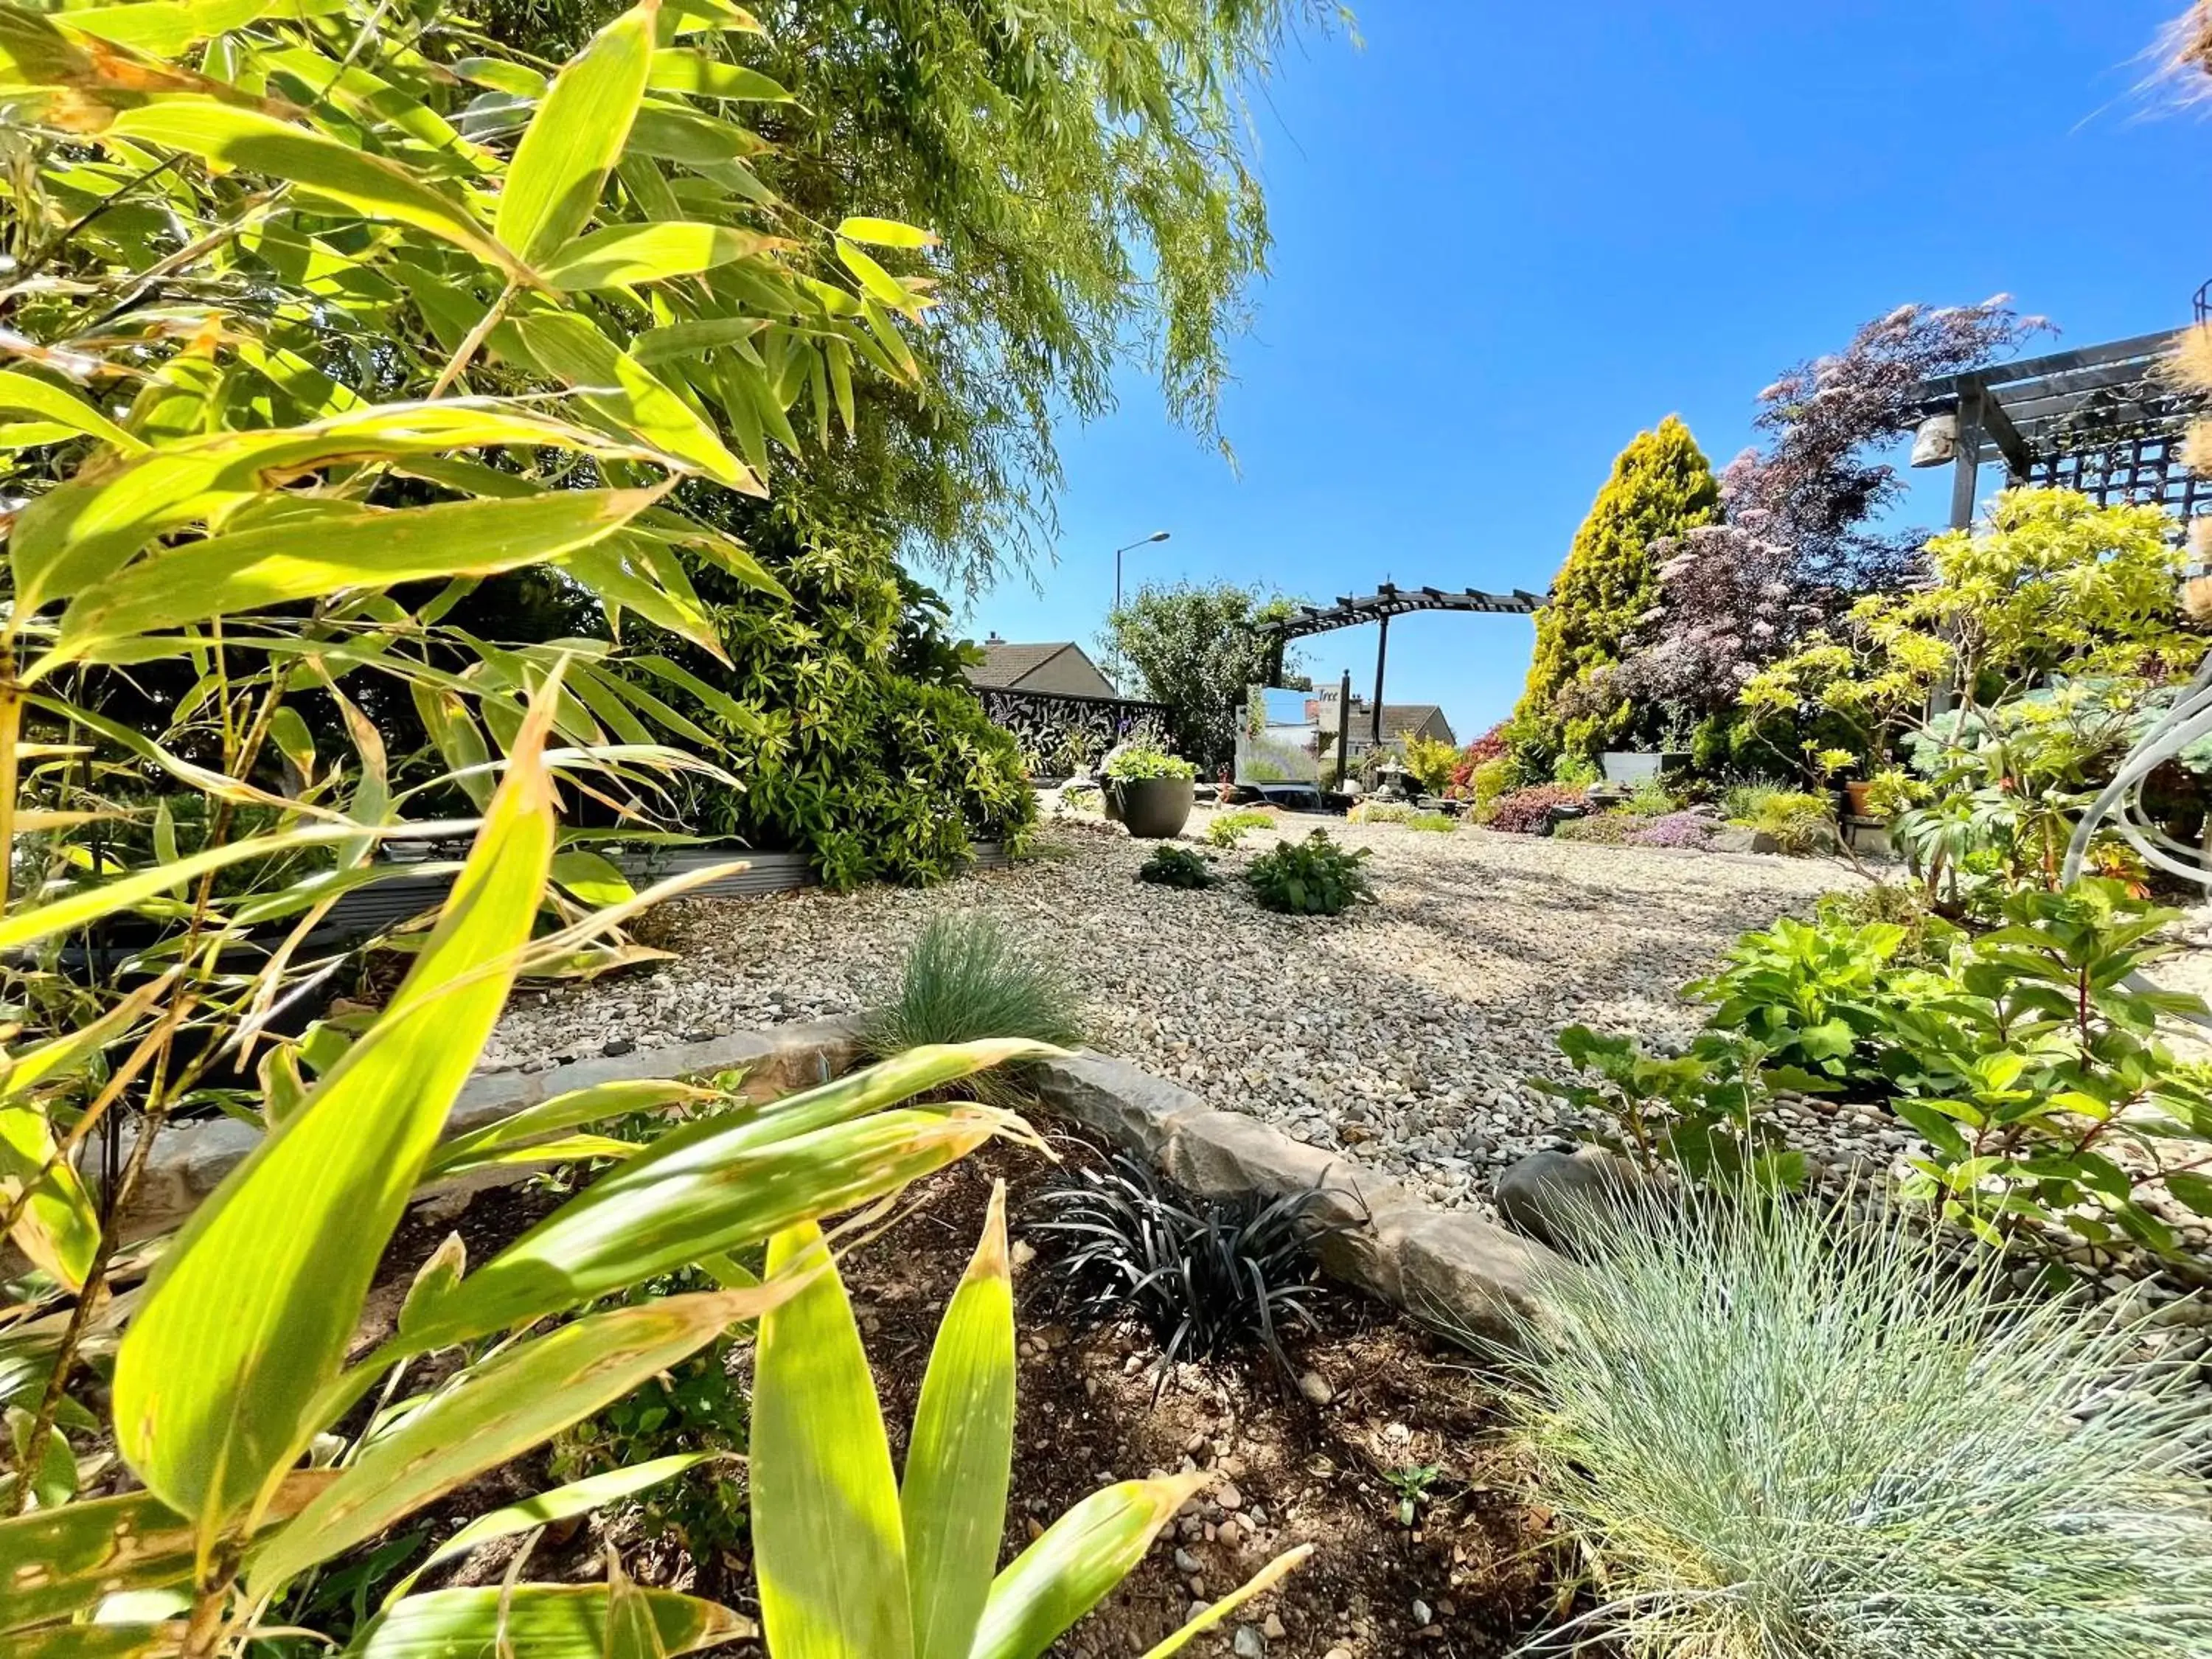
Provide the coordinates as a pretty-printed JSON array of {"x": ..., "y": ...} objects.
[
  {"x": 1676, "y": 829},
  {"x": 1526, "y": 812}
]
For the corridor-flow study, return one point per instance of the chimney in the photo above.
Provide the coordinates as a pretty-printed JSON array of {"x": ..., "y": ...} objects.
[{"x": 993, "y": 639}]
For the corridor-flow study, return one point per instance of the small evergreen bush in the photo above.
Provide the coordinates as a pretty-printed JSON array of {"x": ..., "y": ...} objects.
[
  {"x": 1310, "y": 877},
  {"x": 1382, "y": 811},
  {"x": 1141, "y": 762},
  {"x": 1228, "y": 828},
  {"x": 1800, "y": 822}
]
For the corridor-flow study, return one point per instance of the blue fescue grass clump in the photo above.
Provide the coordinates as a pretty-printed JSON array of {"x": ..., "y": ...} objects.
[{"x": 1774, "y": 1433}]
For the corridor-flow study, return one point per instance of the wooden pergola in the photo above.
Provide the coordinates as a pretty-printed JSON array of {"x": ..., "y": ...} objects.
[
  {"x": 1387, "y": 601},
  {"x": 2106, "y": 420}
]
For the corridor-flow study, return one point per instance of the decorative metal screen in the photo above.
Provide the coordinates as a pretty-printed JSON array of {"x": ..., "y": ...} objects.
[{"x": 1062, "y": 735}]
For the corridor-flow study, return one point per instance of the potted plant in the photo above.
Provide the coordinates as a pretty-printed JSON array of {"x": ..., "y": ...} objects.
[{"x": 1151, "y": 790}]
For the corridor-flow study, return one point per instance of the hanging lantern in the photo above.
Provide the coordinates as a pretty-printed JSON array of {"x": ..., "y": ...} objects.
[{"x": 1936, "y": 441}]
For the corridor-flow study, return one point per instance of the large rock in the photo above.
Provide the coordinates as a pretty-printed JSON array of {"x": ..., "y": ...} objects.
[{"x": 1546, "y": 1193}]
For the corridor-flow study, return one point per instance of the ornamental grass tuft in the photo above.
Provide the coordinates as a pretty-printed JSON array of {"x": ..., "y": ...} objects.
[
  {"x": 966, "y": 977},
  {"x": 1776, "y": 1434}
]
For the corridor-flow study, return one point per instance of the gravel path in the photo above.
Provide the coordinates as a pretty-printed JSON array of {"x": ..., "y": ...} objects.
[{"x": 1404, "y": 1032}]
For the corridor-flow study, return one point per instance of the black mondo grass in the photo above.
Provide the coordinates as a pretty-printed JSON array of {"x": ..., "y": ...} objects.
[{"x": 1205, "y": 1277}]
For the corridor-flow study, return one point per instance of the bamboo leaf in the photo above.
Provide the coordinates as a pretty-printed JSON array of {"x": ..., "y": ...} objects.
[
  {"x": 102, "y": 1641},
  {"x": 624, "y": 394},
  {"x": 59, "y": 1561},
  {"x": 1081, "y": 1557},
  {"x": 631, "y": 1633},
  {"x": 371, "y": 186},
  {"x": 590, "y": 878},
  {"x": 253, "y": 569},
  {"x": 623, "y": 254},
  {"x": 166, "y": 28},
  {"x": 249, "y": 1313},
  {"x": 561, "y": 166},
  {"x": 881, "y": 285},
  {"x": 534, "y": 1621},
  {"x": 828, "y": 1549},
  {"x": 961, "y": 1458},
  {"x": 661, "y": 1210},
  {"x": 498, "y": 1411},
  {"x": 59, "y": 1227},
  {"x": 885, "y": 233},
  {"x": 694, "y": 339},
  {"x": 558, "y": 1504},
  {"x": 26, "y": 394},
  {"x": 83, "y": 530},
  {"x": 678, "y": 70}
]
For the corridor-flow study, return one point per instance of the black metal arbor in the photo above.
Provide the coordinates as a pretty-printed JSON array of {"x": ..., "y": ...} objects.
[
  {"x": 1387, "y": 601},
  {"x": 2106, "y": 420}
]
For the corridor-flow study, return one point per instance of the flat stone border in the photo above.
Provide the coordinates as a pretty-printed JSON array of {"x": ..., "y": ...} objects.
[
  {"x": 1444, "y": 1267},
  {"x": 1441, "y": 1266}
]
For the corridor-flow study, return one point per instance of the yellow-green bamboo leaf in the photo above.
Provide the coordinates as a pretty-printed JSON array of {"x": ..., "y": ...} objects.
[
  {"x": 376, "y": 188},
  {"x": 1258, "y": 1584},
  {"x": 498, "y": 1411},
  {"x": 253, "y": 569},
  {"x": 27, "y": 394},
  {"x": 83, "y": 530},
  {"x": 591, "y": 877},
  {"x": 164, "y": 1640},
  {"x": 535, "y": 1621},
  {"x": 631, "y": 1632},
  {"x": 885, "y": 233},
  {"x": 881, "y": 285},
  {"x": 59, "y": 1226},
  {"x": 623, "y": 394},
  {"x": 564, "y": 1112},
  {"x": 677, "y": 69},
  {"x": 561, "y": 165},
  {"x": 53, "y": 1563},
  {"x": 167, "y": 27},
  {"x": 1081, "y": 1557},
  {"x": 623, "y": 254},
  {"x": 248, "y": 1315},
  {"x": 557, "y": 1504},
  {"x": 829, "y": 1552},
  {"x": 659, "y": 1212},
  {"x": 954, "y": 1497},
  {"x": 680, "y": 341}
]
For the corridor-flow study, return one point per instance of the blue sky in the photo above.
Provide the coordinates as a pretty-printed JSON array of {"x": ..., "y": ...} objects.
[{"x": 1508, "y": 237}]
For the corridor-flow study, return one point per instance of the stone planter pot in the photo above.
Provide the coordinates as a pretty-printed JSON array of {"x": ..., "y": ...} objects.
[
  {"x": 1153, "y": 809},
  {"x": 1854, "y": 798}
]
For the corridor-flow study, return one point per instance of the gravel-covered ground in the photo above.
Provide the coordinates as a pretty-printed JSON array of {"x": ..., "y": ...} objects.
[{"x": 1404, "y": 1032}]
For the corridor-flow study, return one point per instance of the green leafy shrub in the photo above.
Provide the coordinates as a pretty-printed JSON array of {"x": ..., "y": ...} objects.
[
  {"x": 1705, "y": 1112},
  {"x": 965, "y": 978},
  {"x": 1310, "y": 877},
  {"x": 1741, "y": 803},
  {"x": 1383, "y": 812},
  {"x": 1929, "y": 939},
  {"x": 1141, "y": 762},
  {"x": 1774, "y": 1431},
  {"x": 1651, "y": 799},
  {"x": 1229, "y": 828},
  {"x": 1435, "y": 823},
  {"x": 1170, "y": 866},
  {"x": 1800, "y": 823},
  {"x": 1490, "y": 780},
  {"x": 1575, "y": 769},
  {"x": 1431, "y": 762},
  {"x": 1820, "y": 996}
]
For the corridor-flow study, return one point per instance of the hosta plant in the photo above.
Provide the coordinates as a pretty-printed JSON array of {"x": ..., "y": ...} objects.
[{"x": 1310, "y": 877}]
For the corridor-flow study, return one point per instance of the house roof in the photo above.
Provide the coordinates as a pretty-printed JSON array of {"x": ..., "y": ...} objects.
[
  {"x": 1403, "y": 718},
  {"x": 1006, "y": 666}
]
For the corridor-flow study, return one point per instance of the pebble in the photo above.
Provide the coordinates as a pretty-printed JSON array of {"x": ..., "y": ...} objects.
[{"x": 1315, "y": 1386}]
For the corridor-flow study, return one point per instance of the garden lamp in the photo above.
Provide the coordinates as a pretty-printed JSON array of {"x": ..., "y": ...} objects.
[{"x": 1141, "y": 541}]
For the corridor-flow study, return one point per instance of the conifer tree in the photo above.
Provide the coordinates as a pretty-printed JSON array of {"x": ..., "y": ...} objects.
[{"x": 1662, "y": 485}]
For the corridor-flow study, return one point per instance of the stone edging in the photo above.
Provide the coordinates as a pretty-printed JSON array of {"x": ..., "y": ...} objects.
[{"x": 1438, "y": 1266}]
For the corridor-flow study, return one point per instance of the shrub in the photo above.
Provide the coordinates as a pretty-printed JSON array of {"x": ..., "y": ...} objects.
[
  {"x": 1691, "y": 830},
  {"x": 1800, "y": 823},
  {"x": 1774, "y": 1430},
  {"x": 1529, "y": 811},
  {"x": 1651, "y": 800},
  {"x": 1141, "y": 761},
  {"x": 1576, "y": 768},
  {"x": 1431, "y": 762},
  {"x": 1490, "y": 780},
  {"x": 1382, "y": 811},
  {"x": 1439, "y": 824},
  {"x": 1705, "y": 1112},
  {"x": 1170, "y": 866},
  {"x": 1928, "y": 938},
  {"x": 1816, "y": 995},
  {"x": 1741, "y": 803},
  {"x": 1310, "y": 877},
  {"x": 1602, "y": 828},
  {"x": 965, "y": 978},
  {"x": 1204, "y": 1276},
  {"x": 1228, "y": 828}
]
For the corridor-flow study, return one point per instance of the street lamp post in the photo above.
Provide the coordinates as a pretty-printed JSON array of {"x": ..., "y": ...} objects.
[{"x": 1141, "y": 541}]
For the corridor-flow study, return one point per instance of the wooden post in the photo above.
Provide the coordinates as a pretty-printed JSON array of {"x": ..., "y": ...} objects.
[
  {"x": 1965, "y": 478},
  {"x": 1381, "y": 653},
  {"x": 1344, "y": 731}
]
